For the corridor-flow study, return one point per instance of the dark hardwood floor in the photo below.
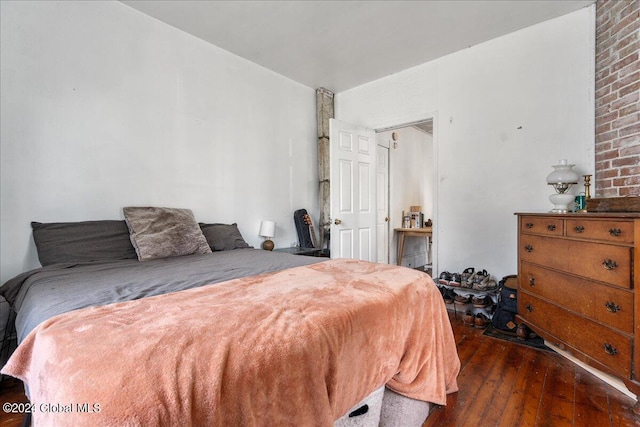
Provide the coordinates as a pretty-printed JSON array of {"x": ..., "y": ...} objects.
[
  {"x": 507, "y": 384},
  {"x": 11, "y": 390},
  {"x": 501, "y": 384}
]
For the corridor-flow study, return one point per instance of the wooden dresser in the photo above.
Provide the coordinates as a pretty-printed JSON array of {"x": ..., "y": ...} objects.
[{"x": 577, "y": 276}]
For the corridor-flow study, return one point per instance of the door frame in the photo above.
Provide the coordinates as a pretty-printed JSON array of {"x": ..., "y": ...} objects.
[
  {"x": 387, "y": 242},
  {"x": 408, "y": 121}
]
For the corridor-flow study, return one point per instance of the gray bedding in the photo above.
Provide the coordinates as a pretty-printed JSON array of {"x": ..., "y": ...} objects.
[{"x": 40, "y": 294}]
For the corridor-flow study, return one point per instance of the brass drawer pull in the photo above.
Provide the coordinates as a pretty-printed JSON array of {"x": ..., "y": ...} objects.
[
  {"x": 551, "y": 227},
  {"x": 528, "y": 248},
  {"x": 529, "y": 225},
  {"x": 532, "y": 281},
  {"x": 610, "y": 349},
  {"x": 609, "y": 264},
  {"x": 615, "y": 232},
  {"x": 612, "y": 307},
  {"x": 529, "y": 308},
  {"x": 579, "y": 228}
]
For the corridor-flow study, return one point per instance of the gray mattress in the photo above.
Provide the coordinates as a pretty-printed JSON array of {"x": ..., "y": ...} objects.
[{"x": 40, "y": 294}]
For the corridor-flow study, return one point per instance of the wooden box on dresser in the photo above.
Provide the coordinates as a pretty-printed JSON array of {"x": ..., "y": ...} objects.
[{"x": 577, "y": 276}]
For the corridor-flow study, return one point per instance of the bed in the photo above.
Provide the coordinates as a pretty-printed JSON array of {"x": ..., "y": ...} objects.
[{"x": 229, "y": 336}]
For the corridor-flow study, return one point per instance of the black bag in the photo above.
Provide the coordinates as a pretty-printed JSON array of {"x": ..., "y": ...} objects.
[{"x": 507, "y": 307}]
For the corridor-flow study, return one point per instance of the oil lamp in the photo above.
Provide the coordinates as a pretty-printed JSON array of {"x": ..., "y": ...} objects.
[{"x": 562, "y": 178}]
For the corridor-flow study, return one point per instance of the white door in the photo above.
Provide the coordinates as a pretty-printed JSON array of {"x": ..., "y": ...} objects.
[
  {"x": 382, "y": 204},
  {"x": 352, "y": 191}
]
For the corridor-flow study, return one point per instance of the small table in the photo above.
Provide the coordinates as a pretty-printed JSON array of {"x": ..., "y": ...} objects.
[{"x": 426, "y": 232}]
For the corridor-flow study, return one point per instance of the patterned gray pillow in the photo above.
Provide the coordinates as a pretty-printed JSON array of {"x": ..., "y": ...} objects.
[{"x": 164, "y": 232}]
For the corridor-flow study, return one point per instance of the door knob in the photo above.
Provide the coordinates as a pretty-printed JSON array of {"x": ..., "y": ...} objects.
[
  {"x": 386, "y": 219},
  {"x": 337, "y": 222}
]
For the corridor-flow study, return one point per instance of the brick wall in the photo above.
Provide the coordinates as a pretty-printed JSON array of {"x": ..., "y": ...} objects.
[{"x": 617, "y": 98}]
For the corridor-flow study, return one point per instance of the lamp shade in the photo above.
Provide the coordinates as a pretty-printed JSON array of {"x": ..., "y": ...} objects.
[
  {"x": 267, "y": 229},
  {"x": 563, "y": 173}
]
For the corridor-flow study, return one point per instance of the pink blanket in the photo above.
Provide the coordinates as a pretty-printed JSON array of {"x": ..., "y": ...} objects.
[{"x": 296, "y": 347}]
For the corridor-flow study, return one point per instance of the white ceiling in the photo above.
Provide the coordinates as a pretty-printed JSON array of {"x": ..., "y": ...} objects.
[{"x": 342, "y": 44}]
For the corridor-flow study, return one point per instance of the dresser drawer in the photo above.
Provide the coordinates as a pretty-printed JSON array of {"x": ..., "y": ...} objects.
[
  {"x": 605, "y": 304},
  {"x": 542, "y": 226},
  {"x": 610, "y": 231},
  {"x": 602, "y": 344},
  {"x": 596, "y": 261}
]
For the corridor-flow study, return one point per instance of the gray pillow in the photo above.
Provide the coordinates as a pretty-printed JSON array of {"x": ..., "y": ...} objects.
[
  {"x": 223, "y": 237},
  {"x": 164, "y": 232},
  {"x": 86, "y": 241}
]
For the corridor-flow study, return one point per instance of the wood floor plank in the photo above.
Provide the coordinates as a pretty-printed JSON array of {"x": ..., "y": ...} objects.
[
  {"x": 12, "y": 391},
  {"x": 504, "y": 379},
  {"x": 591, "y": 401},
  {"x": 557, "y": 403},
  {"x": 486, "y": 403},
  {"x": 523, "y": 405},
  {"x": 621, "y": 409},
  {"x": 473, "y": 379},
  {"x": 540, "y": 377},
  {"x": 467, "y": 343},
  {"x": 482, "y": 391},
  {"x": 467, "y": 348}
]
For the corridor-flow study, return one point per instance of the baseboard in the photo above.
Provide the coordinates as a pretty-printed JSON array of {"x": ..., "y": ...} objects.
[{"x": 612, "y": 381}]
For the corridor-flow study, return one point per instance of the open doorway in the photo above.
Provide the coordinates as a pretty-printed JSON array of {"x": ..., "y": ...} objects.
[{"x": 411, "y": 172}]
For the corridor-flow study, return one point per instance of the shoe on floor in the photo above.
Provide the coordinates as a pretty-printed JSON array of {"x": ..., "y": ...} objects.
[
  {"x": 482, "y": 301},
  {"x": 478, "y": 278},
  {"x": 449, "y": 296},
  {"x": 444, "y": 278},
  {"x": 469, "y": 318},
  {"x": 455, "y": 279},
  {"x": 487, "y": 285},
  {"x": 481, "y": 321},
  {"x": 466, "y": 274},
  {"x": 462, "y": 300}
]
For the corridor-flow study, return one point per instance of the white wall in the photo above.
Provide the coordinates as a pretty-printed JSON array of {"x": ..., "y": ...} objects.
[
  {"x": 504, "y": 111},
  {"x": 103, "y": 107}
]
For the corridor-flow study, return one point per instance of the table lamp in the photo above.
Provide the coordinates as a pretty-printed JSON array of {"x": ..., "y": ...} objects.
[
  {"x": 562, "y": 178},
  {"x": 268, "y": 230}
]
